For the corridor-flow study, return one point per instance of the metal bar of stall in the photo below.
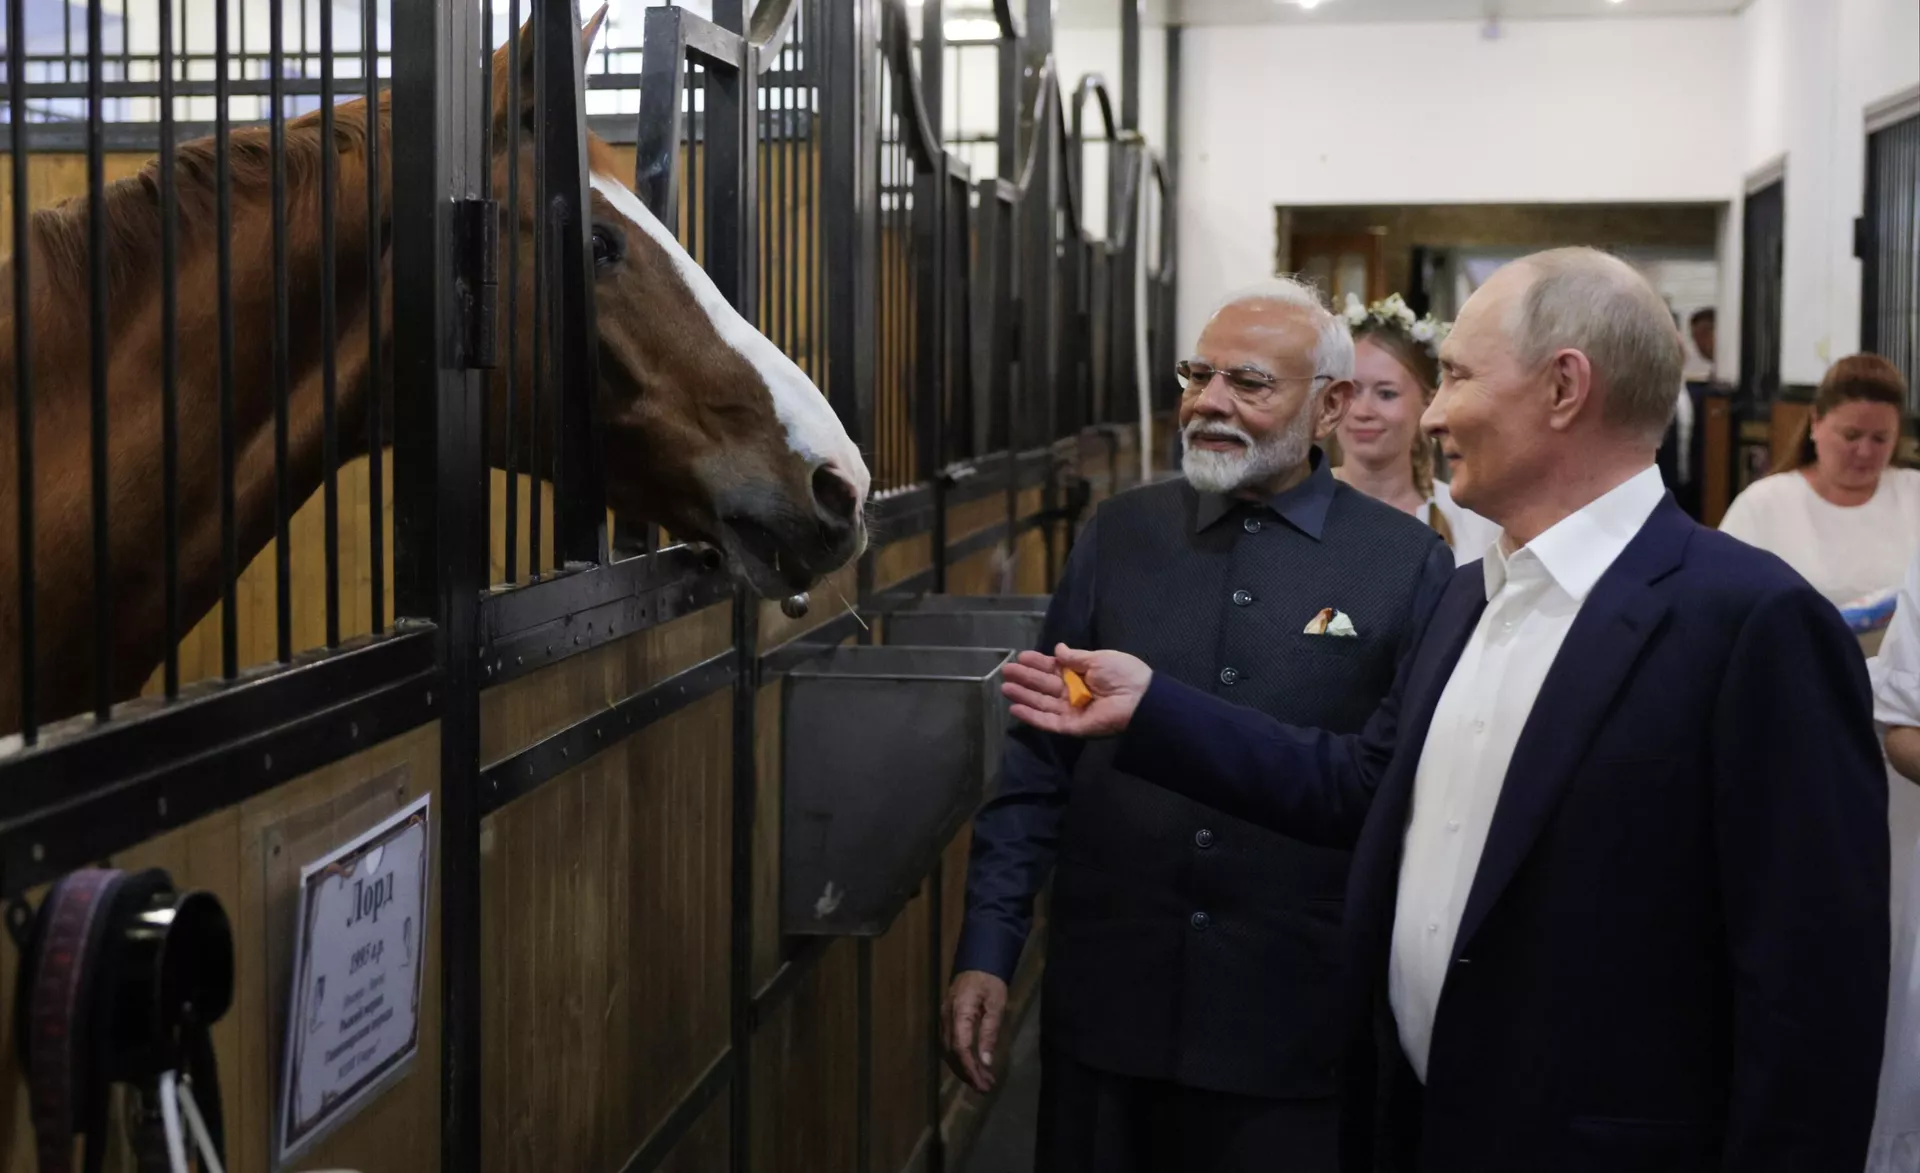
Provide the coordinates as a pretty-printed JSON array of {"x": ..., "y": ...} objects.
[
  {"x": 514, "y": 100},
  {"x": 97, "y": 371},
  {"x": 329, "y": 327},
  {"x": 309, "y": 87},
  {"x": 169, "y": 361},
  {"x": 439, "y": 466},
  {"x": 484, "y": 64},
  {"x": 23, "y": 366},
  {"x": 223, "y": 169},
  {"x": 790, "y": 213},
  {"x": 282, "y": 334},
  {"x": 376, "y": 249},
  {"x": 542, "y": 384},
  {"x": 579, "y": 490},
  {"x": 728, "y": 169}
]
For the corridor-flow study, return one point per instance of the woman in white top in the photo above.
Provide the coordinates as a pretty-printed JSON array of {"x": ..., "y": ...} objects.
[
  {"x": 1383, "y": 451},
  {"x": 1842, "y": 518},
  {"x": 1896, "y": 706}
]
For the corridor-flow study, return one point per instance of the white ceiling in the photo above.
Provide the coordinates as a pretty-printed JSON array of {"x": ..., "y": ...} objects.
[{"x": 1105, "y": 13}]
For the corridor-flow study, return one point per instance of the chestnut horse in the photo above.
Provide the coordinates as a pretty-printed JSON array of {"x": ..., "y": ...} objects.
[{"x": 708, "y": 428}]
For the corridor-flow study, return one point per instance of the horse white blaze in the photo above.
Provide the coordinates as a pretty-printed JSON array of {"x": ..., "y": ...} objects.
[{"x": 813, "y": 431}]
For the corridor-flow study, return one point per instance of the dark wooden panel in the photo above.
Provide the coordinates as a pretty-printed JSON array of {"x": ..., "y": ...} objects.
[
  {"x": 902, "y": 1020},
  {"x": 805, "y": 1074},
  {"x": 704, "y": 1148},
  {"x": 605, "y": 898}
]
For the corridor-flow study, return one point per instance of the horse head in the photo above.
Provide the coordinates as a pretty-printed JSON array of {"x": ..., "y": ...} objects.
[{"x": 708, "y": 428}]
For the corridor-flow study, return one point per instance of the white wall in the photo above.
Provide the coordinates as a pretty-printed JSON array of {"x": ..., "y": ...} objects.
[
  {"x": 1810, "y": 69},
  {"x": 1618, "y": 110}
]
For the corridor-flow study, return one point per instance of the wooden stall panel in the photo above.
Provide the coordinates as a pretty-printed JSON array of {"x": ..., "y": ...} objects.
[
  {"x": 520, "y": 712},
  {"x": 902, "y": 1032},
  {"x": 604, "y": 901},
  {"x": 54, "y": 178},
  {"x": 1030, "y": 564},
  {"x": 604, "y": 907},
  {"x": 806, "y": 1074},
  {"x": 988, "y": 572},
  {"x": 770, "y": 947},
  {"x": 970, "y": 517},
  {"x": 901, "y": 560},
  {"x": 230, "y": 855},
  {"x": 705, "y": 1146}
]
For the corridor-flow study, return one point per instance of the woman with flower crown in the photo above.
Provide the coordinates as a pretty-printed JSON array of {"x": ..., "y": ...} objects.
[{"x": 1383, "y": 451}]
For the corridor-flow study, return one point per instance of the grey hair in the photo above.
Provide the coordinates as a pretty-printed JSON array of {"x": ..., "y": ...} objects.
[
  {"x": 1333, "y": 345},
  {"x": 1582, "y": 299}
]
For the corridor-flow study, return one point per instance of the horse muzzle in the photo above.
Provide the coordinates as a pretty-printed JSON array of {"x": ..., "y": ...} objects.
[{"x": 780, "y": 550}]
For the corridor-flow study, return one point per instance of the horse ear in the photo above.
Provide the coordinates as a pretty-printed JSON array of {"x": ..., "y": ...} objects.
[
  {"x": 591, "y": 30},
  {"x": 501, "y": 63}
]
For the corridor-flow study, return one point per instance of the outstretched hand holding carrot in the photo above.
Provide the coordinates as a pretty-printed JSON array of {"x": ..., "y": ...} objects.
[{"x": 1038, "y": 690}]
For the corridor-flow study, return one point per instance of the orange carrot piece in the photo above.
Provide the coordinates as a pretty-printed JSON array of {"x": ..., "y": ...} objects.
[{"x": 1078, "y": 694}]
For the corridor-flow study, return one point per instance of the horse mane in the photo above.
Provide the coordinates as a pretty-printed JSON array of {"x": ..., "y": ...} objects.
[{"x": 132, "y": 206}]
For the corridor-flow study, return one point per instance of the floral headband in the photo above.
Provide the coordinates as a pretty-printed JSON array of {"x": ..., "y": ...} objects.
[{"x": 1392, "y": 311}]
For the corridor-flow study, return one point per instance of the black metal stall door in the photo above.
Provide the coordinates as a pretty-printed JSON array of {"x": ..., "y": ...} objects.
[
  {"x": 1890, "y": 251},
  {"x": 1763, "y": 244}
]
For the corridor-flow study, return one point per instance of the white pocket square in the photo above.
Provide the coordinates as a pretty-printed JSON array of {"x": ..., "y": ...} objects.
[{"x": 1331, "y": 622}]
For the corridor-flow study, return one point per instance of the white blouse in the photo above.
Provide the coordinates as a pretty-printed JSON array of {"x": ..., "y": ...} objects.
[
  {"x": 1896, "y": 670},
  {"x": 1846, "y": 552},
  {"x": 1472, "y": 533}
]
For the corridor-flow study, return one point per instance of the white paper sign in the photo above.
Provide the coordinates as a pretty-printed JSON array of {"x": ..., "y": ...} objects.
[{"x": 354, "y": 1016}]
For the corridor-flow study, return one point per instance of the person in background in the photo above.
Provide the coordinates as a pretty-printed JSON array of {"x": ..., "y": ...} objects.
[
  {"x": 1620, "y": 880},
  {"x": 1701, "y": 326},
  {"x": 1681, "y": 447},
  {"x": 1189, "y": 1016},
  {"x": 1896, "y": 707},
  {"x": 1840, "y": 515},
  {"x": 1384, "y": 454}
]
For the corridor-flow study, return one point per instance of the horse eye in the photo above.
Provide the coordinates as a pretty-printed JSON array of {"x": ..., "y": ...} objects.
[{"x": 607, "y": 246}]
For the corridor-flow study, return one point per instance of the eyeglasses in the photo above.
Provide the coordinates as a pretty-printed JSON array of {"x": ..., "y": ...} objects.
[{"x": 1253, "y": 387}]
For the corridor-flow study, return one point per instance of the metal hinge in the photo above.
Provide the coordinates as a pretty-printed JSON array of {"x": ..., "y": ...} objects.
[{"x": 475, "y": 253}]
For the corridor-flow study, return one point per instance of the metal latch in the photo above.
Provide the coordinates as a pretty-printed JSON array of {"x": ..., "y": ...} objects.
[{"x": 475, "y": 253}]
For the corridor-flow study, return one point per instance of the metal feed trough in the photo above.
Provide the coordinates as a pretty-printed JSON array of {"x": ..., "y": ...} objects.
[
  {"x": 886, "y": 753},
  {"x": 969, "y": 621}
]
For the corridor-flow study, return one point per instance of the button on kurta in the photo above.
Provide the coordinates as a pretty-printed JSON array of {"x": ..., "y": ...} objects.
[
  {"x": 1243, "y": 598},
  {"x": 1203, "y": 838},
  {"x": 1229, "y": 676},
  {"x": 1200, "y": 920},
  {"x": 1252, "y": 525}
]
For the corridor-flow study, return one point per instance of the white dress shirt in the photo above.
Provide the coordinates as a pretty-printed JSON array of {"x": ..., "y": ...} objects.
[{"x": 1533, "y": 595}]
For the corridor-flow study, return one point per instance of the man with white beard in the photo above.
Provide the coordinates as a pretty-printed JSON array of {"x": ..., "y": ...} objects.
[{"x": 1191, "y": 988}]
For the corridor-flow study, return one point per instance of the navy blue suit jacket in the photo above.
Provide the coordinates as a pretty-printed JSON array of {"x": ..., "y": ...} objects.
[{"x": 1674, "y": 956}]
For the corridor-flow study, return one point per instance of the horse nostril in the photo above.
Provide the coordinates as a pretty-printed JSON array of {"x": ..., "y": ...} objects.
[{"x": 835, "y": 496}]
